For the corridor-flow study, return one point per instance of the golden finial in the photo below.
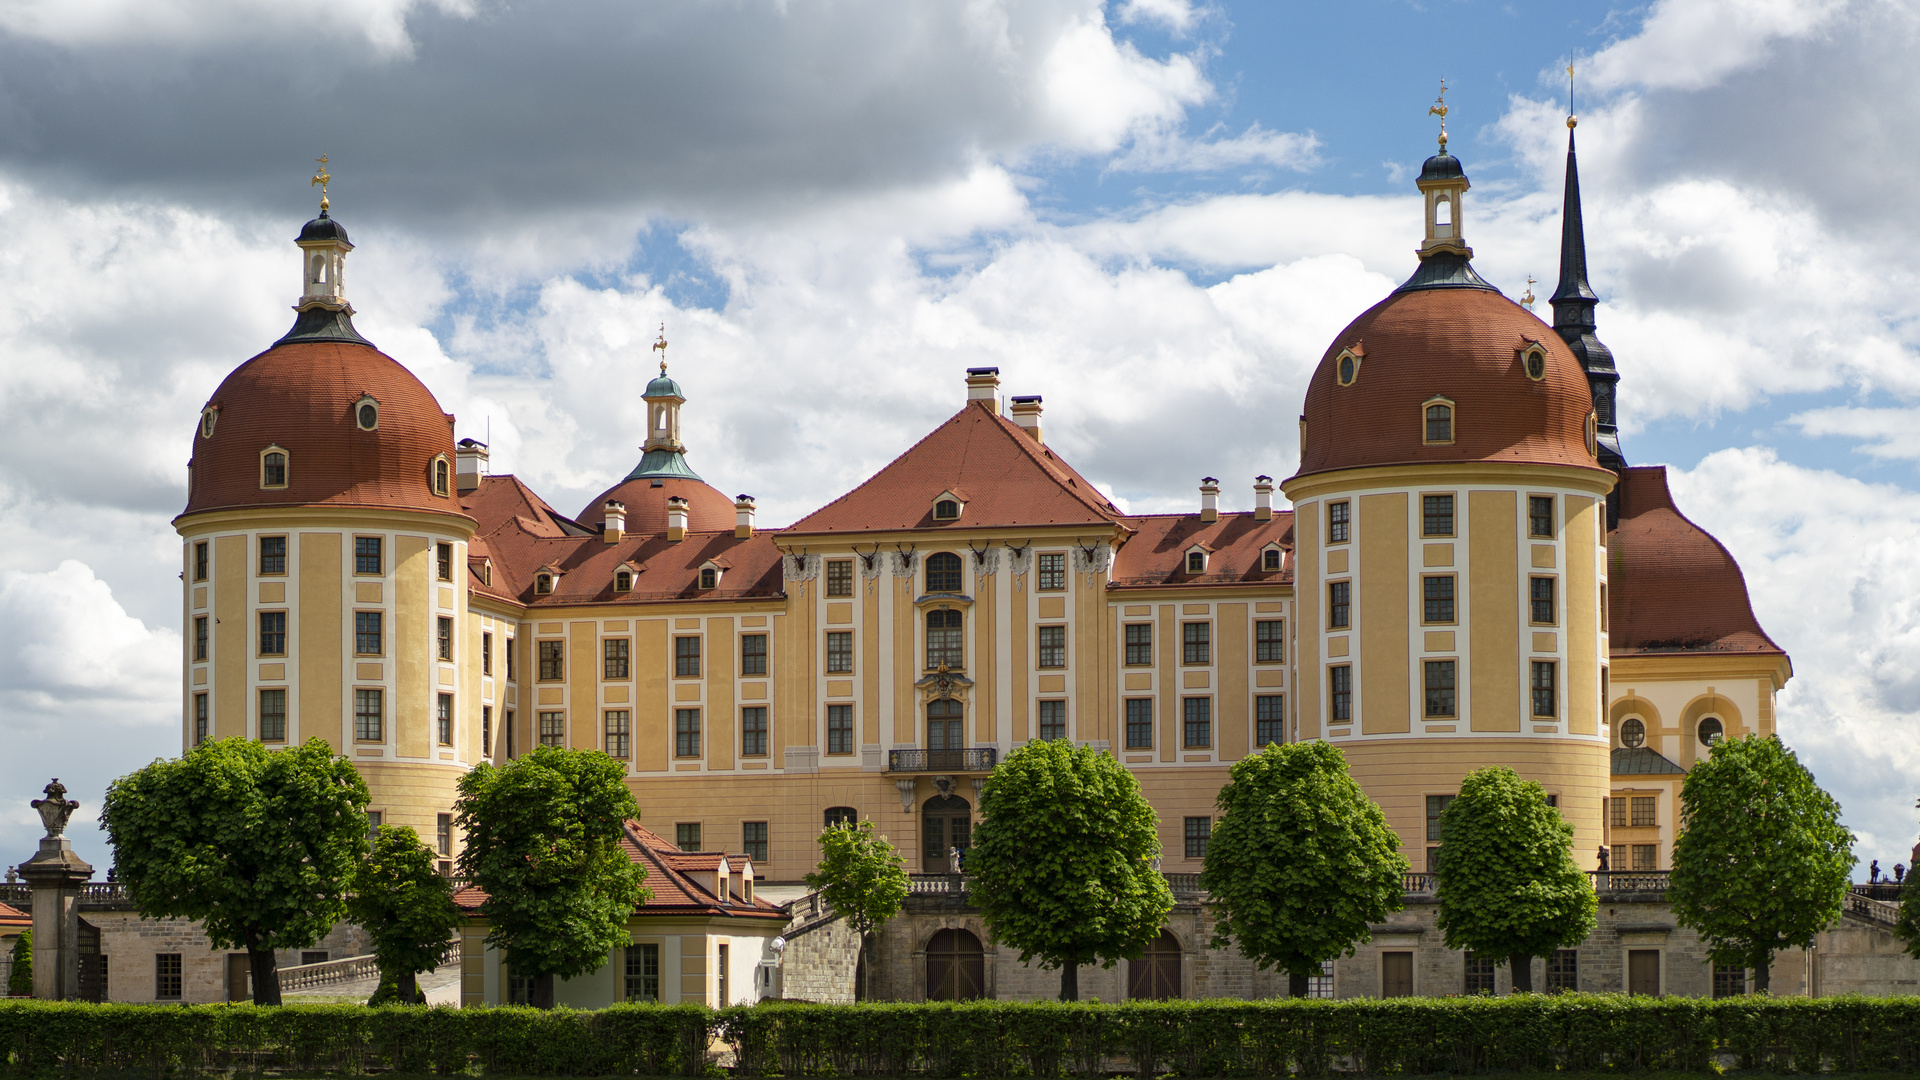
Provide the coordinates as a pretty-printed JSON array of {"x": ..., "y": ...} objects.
[
  {"x": 1527, "y": 300},
  {"x": 1439, "y": 109},
  {"x": 661, "y": 348},
  {"x": 322, "y": 177},
  {"x": 1572, "y": 120}
]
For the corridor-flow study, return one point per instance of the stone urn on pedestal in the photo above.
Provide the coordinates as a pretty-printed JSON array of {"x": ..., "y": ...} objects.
[{"x": 56, "y": 874}]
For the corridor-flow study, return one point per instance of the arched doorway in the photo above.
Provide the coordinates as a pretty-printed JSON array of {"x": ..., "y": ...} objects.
[
  {"x": 956, "y": 967},
  {"x": 1156, "y": 975},
  {"x": 946, "y": 823}
]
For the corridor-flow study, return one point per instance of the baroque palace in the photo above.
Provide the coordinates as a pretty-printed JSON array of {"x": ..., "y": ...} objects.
[{"x": 1469, "y": 573}]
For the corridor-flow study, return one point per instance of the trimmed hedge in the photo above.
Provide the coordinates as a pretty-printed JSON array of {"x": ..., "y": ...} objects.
[{"x": 1043, "y": 1039}]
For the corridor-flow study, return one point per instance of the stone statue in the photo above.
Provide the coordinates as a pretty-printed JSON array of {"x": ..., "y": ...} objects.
[
  {"x": 1873, "y": 872},
  {"x": 1899, "y": 873},
  {"x": 56, "y": 808},
  {"x": 1604, "y": 858}
]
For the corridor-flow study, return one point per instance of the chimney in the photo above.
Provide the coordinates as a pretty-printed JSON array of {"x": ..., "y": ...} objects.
[
  {"x": 616, "y": 525},
  {"x": 676, "y": 519},
  {"x": 1209, "y": 499},
  {"x": 1026, "y": 413},
  {"x": 470, "y": 464},
  {"x": 743, "y": 517},
  {"x": 983, "y": 384},
  {"x": 1263, "y": 498}
]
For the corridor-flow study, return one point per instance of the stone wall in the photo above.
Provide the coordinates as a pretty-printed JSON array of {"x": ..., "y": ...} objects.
[
  {"x": 131, "y": 943},
  {"x": 822, "y": 957}
]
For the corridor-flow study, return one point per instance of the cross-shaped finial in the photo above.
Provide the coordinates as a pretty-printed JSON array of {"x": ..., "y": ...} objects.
[
  {"x": 661, "y": 348},
  {"x": 1439, "y": 109},
  {"x": 322, "y": 177}
]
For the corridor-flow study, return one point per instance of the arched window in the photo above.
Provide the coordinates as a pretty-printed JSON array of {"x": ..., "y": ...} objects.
[
  {"x": 273, "y": 468},
  {"x": 946, "y": 510},
  {"x": 440, "y": 476},
  {"x": 1711, "y": 731},
  {"x": 946, "y": 826},
  {"x": 1196, "y": 562},
  {"x": 956, "y": 967},
  {"x": 1270, "y": 560},
  {"x": 1534, "y": 361},
  {"x": 841, "y": 815},
  {"x": 1439, "y": 422},
  {"x": 943, "y": 572},
  {"x": 709, "y": 577},
  {"x": 660, "y": 418},
  {"x": 543, "y": 584},
  {"x": 1632, "y": 732},
  {"x": 1593, "y": 434},
  {"x": 1347, "y": 368},
  {"x": 1443, "y": 216},
  {"x": 944, "y": 641}
]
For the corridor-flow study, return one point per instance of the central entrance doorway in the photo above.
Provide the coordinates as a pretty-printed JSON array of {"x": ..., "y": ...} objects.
[{"x": 946, "y": 824}]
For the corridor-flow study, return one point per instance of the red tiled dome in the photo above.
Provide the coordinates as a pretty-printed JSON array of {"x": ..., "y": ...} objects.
[
  {"x": 1462, "y": 344},
  {"x": 301, "y": 397},
  {"x": 707, "y": 509}
]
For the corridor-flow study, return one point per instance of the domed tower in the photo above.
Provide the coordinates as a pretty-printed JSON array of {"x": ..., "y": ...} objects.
[
  {"x": 325, "y": 559},
  {"x": 663, "y": 472},
  {"x": 1450, "y": 530}
]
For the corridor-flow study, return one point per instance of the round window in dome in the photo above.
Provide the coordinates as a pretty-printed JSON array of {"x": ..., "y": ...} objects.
[
  {"x": 209, "y": 416},
  {"x": 1535, "y": 362},
  {"x": 1633, "y": 733},
  {"x": 1711, "y": 731},
  {"x": 1347, "y": 368},
  {"x": 366, "y": 414}
]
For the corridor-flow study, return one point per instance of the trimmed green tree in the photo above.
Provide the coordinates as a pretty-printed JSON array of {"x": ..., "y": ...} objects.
[
  {"x": 1762, "y": 862},
  {"x": 860, "y": 877},
  {"x": 1907, "y": 927},
  {"x": 1300, "y": 862},
  {"x": 256, "y": 845},
  {"x": 1507, "y": 883},
  {"x": 1062, "y": 863},
  {"x": 543, "y": 842},
  {"x": 20, "y": 973},
  {"x": 405, "y": 906}
]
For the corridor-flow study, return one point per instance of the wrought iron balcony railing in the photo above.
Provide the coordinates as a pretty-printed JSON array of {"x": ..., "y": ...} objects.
[
  {"x": 1629, "y": 880},
  {"x": 974, "y": 759}
]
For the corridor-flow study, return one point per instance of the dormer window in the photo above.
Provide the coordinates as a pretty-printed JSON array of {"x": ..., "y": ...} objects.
[
  {"x": 543, "y": 584},
  {"x": 366, "y": 413},
  {"x": 1593, "y": 434},
  {"x": 1346, "y": 367},
  {"x": 1437, "y": 420},
  {"x": 273, "y": 467},
  {"x": 442, "y": 476},
  {"x": 1196, "y": 560},
  {"x": 486, "y": 572},
  {"x": 946, "y": 510},
  {"x": 623, "y": 581},
  {"x": 209, "y": 416},
  {"x": 1533, "y": 360},
  {"x": 709, "y": 577},
  {"x": 1270, "y": 561}
]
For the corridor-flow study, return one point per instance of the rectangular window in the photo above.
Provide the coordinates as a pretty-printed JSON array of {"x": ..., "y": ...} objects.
[
  {"x": 273, "y": 633},
  {"x": 443, "y": 834},
  {"x": 273, "y": 715},
  {"x": 1269, "y": 719},
  {"x": 1617, "y": 812},
  {"x": 1196, "y": 643},
  {"x": 1139, "y": 723},
  {"x": 1646, "y": 856},
  {"x": 486, "y": 654},
  {"x": 367, "y": 633},
  {"x": 486, "y": 731},
  {"x": 1337, "y": 522},
  {"x": 166, "y": 976},
  {"x": 1440, "y": 687},
  {"x": 1320, "y": 987},
  {"x": 443, "y": 638},
  {"x": 753, "y": 842},
  {"x": 1053, "y": 720},
  {"x": 1436, "y": 807},
  {"x": 753, "y": 654},
  {"x": 686, "y": 732},
  {"x": 686, "y": 836},
  {"x": 945, "y": 643},
  {"x": 1339, "y": 605},
  {"x": 1197, "y": 722},
  {"x": 1540, "y": 592},
  {"x": 723, "y": 997},
  {"x": 840, "y": 577},
  {"x": 443, "y": 561},
  {"x": 1643, "y": 811},
  {"x": 369, "y": 720},
  {"x": 199, "y": 719},
  {"x": 553, "y": 728},
  {"x": 614, "y": 659},
  {"x": 839, "y": 729},
  {"x": 1199, "y": 831},
  {"x": 1269, "y": 641},
  {"x": 1436, "y": 599},
  {"x": 1540, "y": 516},
  {"x": 1729, "y": 981},
  {"x": 643, "y": 973},
  {"x": 1563, "y": 971},
  {"x": 273, "y": 555},
  {"x": 513, "y": 746},
  {"x": 1052, "y": 572},
  {"x": 199, "y": 637},
  {"x": 1340, "y": 693},
  {"x": 1479, "y": 973},
  {"x": 366, "y": 555},
  {"x": 686, "y": 657},
  {"x": 1546, "y": 698},
  {"x": 839, "y": 652},
  {"x": 443, "y": 719},
  {"x": 513, "y": 664},
  {"x": 1139, "y": 644},
  {"x": 1436, "y": 515},
  {"x": 619, "y": 731},
  {"x": 1052, "y": 648},
  {"x": 200, "y": 561},
  {"x": 552, "y": 660},
  {"x": 753, "y": 729}
]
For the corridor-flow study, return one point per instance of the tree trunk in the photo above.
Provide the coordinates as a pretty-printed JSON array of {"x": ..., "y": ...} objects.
[
  {"x": 860, "y": 970},
  {"x": 1763, "y": 976},
  {"x": 541, "y": 993},
  {"x": 265, "y": 974},
  {"x": 1522, "y": 973},
  {"x": 1069, "y": 982},
  {"x": 1296, "y": 985},
  {"x": 409, "y": 990}
]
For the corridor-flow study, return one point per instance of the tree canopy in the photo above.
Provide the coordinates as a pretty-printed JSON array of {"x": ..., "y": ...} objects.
[
  {"x": 20, "y": 973},
  {"x": 1300, "y": 862},
  {"x": 1062, "y": 863},
  {"x": 405, "y": 906},
  {"x": 1762, "y": 862},
  {"x": 543, "y": 842},
  {"x": 1507, "y": 883},
  {"x": 257, "y": 845},
  {"x": 860, "y": 877}
]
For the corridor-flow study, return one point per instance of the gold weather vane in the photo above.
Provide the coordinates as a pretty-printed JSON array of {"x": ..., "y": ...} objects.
[
  {"x": 1527, "y": 300},
  {"x": 1572, "y": 120},
  {"x": 661, "y": 348},
  {"x": 322, "y": 177},
  {"x": 1439, "y": 109}
]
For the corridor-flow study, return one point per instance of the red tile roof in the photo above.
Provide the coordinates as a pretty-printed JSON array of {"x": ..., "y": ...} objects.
[
  {"x": 669, "y": 878},
  {"x": 1157, "y": 552},
  {"x": 1014, "y": 481},
  {"x": 1671, "y": 586},
  {"x": 646, "y": 498},
  {"x": 13, "y": 916}
]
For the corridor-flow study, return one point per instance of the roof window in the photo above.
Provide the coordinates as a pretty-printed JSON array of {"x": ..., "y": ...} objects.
[
  {"x": 1197, "y": 559},
  {"x": 209, "y": 416},
  {"x": 1437, "y": 419},
  {"x": 1346, "y": 367},
  {"x": 710, "y": 575},
  {"x": 947, "y": 504},
  {"x": 273, "y": 467},
  {"x": 442, "y": 476},
  {"x": 1270, "y": 560},
  {"x": 623, "y": 580},
  {"x": 543, "y": 584},
  {"x": 366, "y": 413},
  {"x": 1533, "y": 360}
]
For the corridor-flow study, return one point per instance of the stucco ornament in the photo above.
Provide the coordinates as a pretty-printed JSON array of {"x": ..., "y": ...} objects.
[{"x": 56, "y": 808}]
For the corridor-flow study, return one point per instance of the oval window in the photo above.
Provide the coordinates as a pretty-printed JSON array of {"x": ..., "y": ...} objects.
[
  {"x": 1711, "y": 731},
  {"x": 1632, "y": 732},
  {"x": 1346, "y": 371},
  {"x": 367, "y": 416},
  {"x": 208, "y": 418},
  {"x": 1536, "y": 365}
]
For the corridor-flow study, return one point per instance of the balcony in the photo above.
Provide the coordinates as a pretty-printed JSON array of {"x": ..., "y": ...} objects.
[{"x": 979, "y": 759}]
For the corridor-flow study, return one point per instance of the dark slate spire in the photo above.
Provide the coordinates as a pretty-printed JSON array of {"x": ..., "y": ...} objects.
[{"x": 1573, "y": 303}]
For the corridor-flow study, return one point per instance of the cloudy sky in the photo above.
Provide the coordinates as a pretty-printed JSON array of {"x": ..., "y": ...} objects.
[{"x": 1154, "y": 212}]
